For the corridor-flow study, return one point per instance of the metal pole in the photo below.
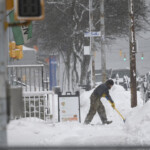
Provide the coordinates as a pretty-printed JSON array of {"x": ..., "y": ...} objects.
[
  {"x": 42, "y": 69},
  {"x": 132, "y": 44},
  {"x": 53, "y": 108},
  {"x": 103, "y": 54},
  {"x": 90, "y": 38},
  {"x": 3, "y": 69}
]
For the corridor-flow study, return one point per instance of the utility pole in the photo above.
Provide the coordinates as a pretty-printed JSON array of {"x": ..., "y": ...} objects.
[
  {"x": 132, "y": 45},
  {"x": 3, "y": 61},
  {"x": 91, "y": 44},
  {"x": 103, "y": 54}
]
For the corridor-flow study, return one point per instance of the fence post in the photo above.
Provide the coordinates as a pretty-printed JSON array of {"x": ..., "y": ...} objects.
[{"x": 53, "y": 108}]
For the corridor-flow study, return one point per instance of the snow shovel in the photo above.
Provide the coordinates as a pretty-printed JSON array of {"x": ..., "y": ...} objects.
[{"x": 119, "y": 113}]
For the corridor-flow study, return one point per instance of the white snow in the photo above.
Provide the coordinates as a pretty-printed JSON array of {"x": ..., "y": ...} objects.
[
  {"x": 25, "y": 48},
  {"x": 135, "y": 131}
]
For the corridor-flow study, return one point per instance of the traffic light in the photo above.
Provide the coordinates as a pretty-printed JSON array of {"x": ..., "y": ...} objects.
[
  {"x": 29, "y": 10},
  {"x": 19, "y": 52},
  {"x": 124, "y": 57},
  {"x": 15, "y": 52},
  {"x": 12, "y": 53},
  {"x": 9, "y": 4},
  {"x": 120, "y": 53},
  {"x": 142, "y": 56}
]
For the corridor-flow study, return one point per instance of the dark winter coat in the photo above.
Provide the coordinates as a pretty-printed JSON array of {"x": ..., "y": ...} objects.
[{"x": 103, "y": 89}]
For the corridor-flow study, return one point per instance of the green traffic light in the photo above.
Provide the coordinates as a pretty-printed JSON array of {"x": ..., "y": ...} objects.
[
  {"x": 124, "y": 59},
  {"x": 142, "y": 58}
]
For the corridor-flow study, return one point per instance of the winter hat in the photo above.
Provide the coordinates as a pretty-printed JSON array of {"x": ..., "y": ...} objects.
[{"x": 110, "y": 82}]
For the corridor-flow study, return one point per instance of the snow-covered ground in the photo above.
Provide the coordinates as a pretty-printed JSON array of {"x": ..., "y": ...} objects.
[{"x": 135, "y": 131}]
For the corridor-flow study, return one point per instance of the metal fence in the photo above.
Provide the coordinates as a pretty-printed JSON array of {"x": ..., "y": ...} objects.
[
  {"x": 39, "y": 104},
  {"x": 38, "y": 101},
  {"x": 30, "y": 77}
]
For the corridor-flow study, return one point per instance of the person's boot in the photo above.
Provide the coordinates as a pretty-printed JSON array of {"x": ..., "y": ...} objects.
[
  {"x": 86, "y": 122},
  {"x": 107, "y": 122}
]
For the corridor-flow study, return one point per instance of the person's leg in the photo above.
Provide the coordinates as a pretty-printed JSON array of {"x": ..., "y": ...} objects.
[
  {"x": 101, "y": 111},
  {"x": 92, "y": 111}
]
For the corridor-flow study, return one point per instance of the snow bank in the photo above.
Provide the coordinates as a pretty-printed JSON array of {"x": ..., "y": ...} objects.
[{"x": 138, "y": 123}]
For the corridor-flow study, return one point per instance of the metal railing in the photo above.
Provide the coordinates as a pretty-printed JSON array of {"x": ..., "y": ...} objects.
[
  {"x": 38, "y": 100},
  {"x": 30, "y": 77},
  {"x": 39, "y": 104}
]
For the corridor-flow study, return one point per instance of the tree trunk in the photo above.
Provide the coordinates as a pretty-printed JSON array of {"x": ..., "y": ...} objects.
[
  {"x": 84, "y": 69},
  {"x": 75, "y": 76},
  {"x": 103, "y": 54},
  {"x": 132, "y": 56}
]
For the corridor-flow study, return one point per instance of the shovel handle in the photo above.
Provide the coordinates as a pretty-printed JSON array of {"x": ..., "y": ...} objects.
[{"x": 118, "y": 112}]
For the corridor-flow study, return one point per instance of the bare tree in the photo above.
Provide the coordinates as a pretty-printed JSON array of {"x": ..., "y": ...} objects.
[{"x": 64, "y": 26}]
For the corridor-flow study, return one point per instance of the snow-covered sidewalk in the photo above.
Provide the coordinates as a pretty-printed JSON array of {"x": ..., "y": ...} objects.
[
  {"x": 136, "y": 130},
  {"x": 35, "y": 133}
]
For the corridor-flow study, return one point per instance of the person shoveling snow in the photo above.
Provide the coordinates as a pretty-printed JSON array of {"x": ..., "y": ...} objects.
[{"x": 96, "y": 105}]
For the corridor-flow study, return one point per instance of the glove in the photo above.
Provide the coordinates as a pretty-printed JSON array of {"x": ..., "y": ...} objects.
[{"x": 113, "y": 105}]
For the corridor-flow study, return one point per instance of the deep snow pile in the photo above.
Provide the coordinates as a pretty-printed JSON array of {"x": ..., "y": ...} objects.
[
  {"x": 138, "y": 123},
  {"x": 135, "y": 131}
]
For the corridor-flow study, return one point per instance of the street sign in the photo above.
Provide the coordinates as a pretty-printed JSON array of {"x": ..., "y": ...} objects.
[
  {"x": 92, "y": 34},
  {"x": 87, "y": 50}
]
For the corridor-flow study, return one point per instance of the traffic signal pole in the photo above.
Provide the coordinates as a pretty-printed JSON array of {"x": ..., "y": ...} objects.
[
  {"x": 3, "y": 61},
  {"x": 132, "y": 44},
  {"x": 33, "y": 12}
]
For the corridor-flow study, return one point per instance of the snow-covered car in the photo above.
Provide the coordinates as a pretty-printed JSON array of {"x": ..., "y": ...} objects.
[{"x": 121, "y": 76}]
